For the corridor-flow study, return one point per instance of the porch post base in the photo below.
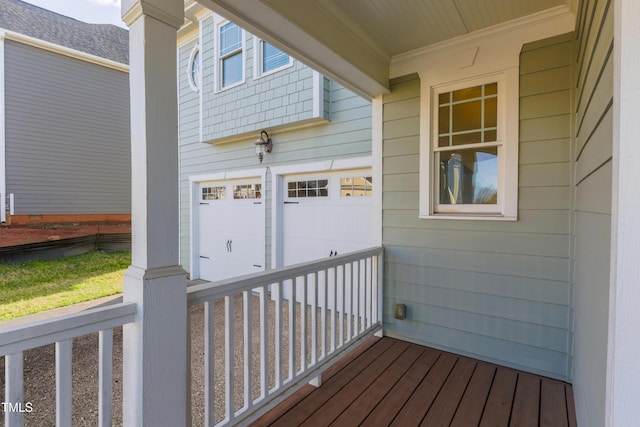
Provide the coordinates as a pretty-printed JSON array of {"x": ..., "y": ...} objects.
[{"x": 155, "y": 348}]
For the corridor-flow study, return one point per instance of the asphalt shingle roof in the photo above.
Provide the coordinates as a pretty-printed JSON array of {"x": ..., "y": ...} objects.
[{"x": 104, "y": 40}]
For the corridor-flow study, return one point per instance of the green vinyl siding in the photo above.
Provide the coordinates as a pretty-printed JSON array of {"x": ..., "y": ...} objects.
[
  {"x": 496, "y": 290},
  {"x": 592, "y": 230}
]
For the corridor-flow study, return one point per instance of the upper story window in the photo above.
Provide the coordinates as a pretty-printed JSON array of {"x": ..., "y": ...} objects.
[
  {"x": 193, "y": 70},
  {"x": 230, "y": 55},
  {"x": 269, "y": 58}
]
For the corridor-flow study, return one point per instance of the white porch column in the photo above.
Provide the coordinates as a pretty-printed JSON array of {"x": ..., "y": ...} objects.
[
  {"x": 623, "y": 370},
  {"x": 155, "y": 356}
]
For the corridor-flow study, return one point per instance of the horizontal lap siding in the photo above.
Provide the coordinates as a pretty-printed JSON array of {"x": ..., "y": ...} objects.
[
  {"x": 67, "y": 134},
  {"x": 499, "y": 291},
  {"x": 348, "y": 134},
  {"x": 592, "y": 233}
]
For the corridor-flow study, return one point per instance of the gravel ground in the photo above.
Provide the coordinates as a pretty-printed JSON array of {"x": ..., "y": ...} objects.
[{"x": 39, "y": 371}]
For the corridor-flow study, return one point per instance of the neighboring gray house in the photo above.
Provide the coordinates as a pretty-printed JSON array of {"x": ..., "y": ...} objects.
[
  {"x": 65, "y": 139},
  {"x": 240, "y": 214}
]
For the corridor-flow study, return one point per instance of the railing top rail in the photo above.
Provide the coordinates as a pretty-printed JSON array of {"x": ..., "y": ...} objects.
[
  {"x": 211, "y": 290},
  {"x": 23, "y": 337}
]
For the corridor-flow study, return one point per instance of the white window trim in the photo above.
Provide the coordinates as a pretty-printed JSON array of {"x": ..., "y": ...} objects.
[
  {"x": 195, "y": 86},
  {"x": 493, "y": 50},
  {"x": 257, "y": 60},
  {"x": 219, "y": 58},
  {"x": 508, "y": 113}
]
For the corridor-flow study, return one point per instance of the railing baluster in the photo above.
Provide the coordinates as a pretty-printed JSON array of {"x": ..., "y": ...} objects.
[
  {"x": 209, "y": 364},
  {"x": 343, "y": 303},
  {"x": 303, "y": 323},
  {"x": 264, "y": 345},
  {"x": 349, "y": 279},
  {"x": 324, "y": 285},
  {"x": 63, "y": 383},
  {"x": 247, "y": 353},
  {"x": 278, "y": 336},
  {"x": 369, "y": 287},
  {"x": 314, "y": 319},
  {"x": 292, "y": 330},
  {"x": 13, "y": 388},
  {"x": 334, "y": 308},
  {"x": 229, "y": 358},
  {"x": 105, "y": 377},
  {"x": 357, "y": 299}
]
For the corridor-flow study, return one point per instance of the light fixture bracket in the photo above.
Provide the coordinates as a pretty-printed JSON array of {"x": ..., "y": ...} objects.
[{"x": 263, "y": 145}]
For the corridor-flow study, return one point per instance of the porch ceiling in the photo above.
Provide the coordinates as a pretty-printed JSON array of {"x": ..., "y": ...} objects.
[{"x": 355, "y": 41}]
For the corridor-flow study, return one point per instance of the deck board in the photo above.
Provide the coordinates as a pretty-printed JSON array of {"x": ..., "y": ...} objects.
[
  {"x": 392, "y": 382},
  {"x": 367, "y": 401},
  {"x": 526, "y": 402},
  {"x": 472, "y": 404},
  {"x": 297, "y": 414},
  {"x": 385, "y": 411},
  {"x": 342, "y": 399}
]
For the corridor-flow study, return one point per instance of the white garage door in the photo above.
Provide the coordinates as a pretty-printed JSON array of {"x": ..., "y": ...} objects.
[
  {"x": 326, "y": 214},
  {"x": 231, "y": 228}
]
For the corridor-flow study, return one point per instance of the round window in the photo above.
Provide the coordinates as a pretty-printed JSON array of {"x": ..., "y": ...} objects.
[{"x": 194, "y": 69}]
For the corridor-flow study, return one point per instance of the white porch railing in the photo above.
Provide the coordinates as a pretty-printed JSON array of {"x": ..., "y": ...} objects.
[
  {"x": 274, "y": 332},
  {"x": 61, "y": 331}
]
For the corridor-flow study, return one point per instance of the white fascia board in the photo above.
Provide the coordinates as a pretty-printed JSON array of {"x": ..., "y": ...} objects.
[
  {"x": 498, "y": 46},
  {"x": 62, "y": 50}
]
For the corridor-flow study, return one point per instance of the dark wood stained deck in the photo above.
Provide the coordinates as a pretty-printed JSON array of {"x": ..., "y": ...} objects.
[{"x": 388, "y": 382}]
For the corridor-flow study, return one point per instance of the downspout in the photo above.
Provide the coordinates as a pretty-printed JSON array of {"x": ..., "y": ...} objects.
[{"x": 3, "y": 151}]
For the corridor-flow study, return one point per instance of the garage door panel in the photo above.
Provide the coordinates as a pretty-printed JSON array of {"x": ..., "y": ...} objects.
[
  {"x": 326, "y": 213},
  {"x": 231, "y": 229}
]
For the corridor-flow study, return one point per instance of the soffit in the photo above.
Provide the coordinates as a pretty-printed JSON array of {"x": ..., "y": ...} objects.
[{"x": 354, "y": 41}]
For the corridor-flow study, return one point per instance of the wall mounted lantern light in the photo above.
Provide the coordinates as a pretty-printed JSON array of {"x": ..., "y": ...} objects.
[{"x": 263, "y": 145}]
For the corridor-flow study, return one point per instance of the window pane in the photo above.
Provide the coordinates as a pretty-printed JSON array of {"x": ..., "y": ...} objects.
[
  {"x": 469, "y": 176},
  {"x": 230, "y": 38},
  {"x": 491, "y": 112},
  {"x": 214, "y": 193},
  {"x": 490, "y": 136},
  {"x": 491, "y": 89},
  {"x": 272, "y": 57},
  {"x": 467, "y": 116},
  {"x": 468, "y": 93},
  {"x": 444, "y": 98},
  {"x": 466, "y": 138},
  {"x": 314, "y": 188},
  {"x": 195, "y": 70},
  {"x": 247, "y": 191},
  {"x": 443, "y": 141},
  {"x": 443, "y": 120},
  {"x": 232, "y": 69},
  {"x": 356, "y": 186}
]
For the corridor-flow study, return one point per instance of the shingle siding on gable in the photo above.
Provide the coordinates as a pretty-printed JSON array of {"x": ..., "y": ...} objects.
[
  {"x": 67, "y": 134},
  {"x": 281, "y": 98}
]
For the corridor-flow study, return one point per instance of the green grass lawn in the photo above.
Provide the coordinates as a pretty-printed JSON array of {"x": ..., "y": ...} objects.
[{"x": 35, "y": 286}]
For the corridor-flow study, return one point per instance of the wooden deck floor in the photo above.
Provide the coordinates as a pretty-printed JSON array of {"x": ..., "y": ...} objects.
[{"x": 387, "y": 382}]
